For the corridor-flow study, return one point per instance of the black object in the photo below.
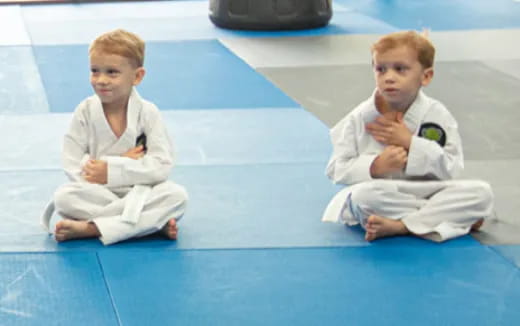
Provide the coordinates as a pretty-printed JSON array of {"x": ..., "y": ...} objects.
[
  {"x": 270, "y": 14},
  {"x": 141, "y": 140}
]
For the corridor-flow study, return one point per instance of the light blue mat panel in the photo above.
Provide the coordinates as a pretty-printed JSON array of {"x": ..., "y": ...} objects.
[
  {"x": 388, "y": 285},
  {"x": 180, "y": 75},
  {"x": 152, "y": 20},
  {"x": 13, "y": 30},
  {"x": 54, "y": 289},
  {"x": 200, "y": 137},
  {"x": 235, "y": 137},
  {"x": 19, "y": 77},
  {"x": 164, "y": 21},
  {"x": 512, "y": 253},
  {"x": 442, "y": 14}
]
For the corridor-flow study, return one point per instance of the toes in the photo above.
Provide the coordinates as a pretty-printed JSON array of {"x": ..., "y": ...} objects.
[
  {"x": 172, "y": 235},
  {"x": 369, "y": 236},
  {"x": 59, "y": 237},
  {"x": 59, "y": 226},
  {"x": 170, "y": 229}
]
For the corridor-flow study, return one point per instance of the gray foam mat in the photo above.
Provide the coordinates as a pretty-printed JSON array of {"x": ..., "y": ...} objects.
[{"x": 485, "y": 101}]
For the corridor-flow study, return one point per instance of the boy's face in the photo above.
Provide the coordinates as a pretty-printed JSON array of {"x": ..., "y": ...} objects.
[
  {"x": 399, "y": 76},
  {"x": 112, "y": 76}
]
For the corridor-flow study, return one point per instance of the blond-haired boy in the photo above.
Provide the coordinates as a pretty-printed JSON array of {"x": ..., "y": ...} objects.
[
  {"x": 399, "y": 152},
  {"x": 117, "y": 154}
]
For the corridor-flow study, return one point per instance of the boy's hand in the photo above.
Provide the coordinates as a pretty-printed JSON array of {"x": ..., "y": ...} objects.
[
  {"x": 135, "y": 153},
  {"x": 390, "y": 132},
  {"x": 392, "y": 159},
  {"x": 95, "y": 171}
]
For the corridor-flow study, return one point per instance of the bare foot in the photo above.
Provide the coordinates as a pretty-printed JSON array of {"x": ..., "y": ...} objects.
[
  {"x": 380, "y": 227},
  {"x": 170, "y": 229},
  {"x": 477, "y": 225},
  {"x": 71, "y": 229}
]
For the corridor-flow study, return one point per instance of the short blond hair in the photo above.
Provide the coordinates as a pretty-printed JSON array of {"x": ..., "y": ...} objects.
[
  {"x": 424, "y": 48},
  {"x": 120, "y": 42}
]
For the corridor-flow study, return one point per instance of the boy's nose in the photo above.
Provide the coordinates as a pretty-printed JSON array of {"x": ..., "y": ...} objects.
[
  {"x": 389, "y": 77},
  {"x": 101, "y": 79}
]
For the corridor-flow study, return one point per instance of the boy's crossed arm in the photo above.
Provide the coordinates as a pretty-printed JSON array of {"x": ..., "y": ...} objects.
[
  {"x": 392, "y": 159},
  {"x": 96, "y": 171},
  {"x": 397, "y": 137},
  {"x": 390, "y": 132}
]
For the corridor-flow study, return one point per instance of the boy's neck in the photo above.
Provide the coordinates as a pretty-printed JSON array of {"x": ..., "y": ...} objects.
[
  {"x": 384, "y": 107},
  {"x": 115, "y": 108}
]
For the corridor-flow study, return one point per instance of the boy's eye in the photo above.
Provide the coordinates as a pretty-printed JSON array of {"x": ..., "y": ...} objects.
[
  {"x": 112, "y": 71},
  {"x": 94, "y": 70},
  {"x": 401, "y": 68},
  {"x": 380, "y": 69}
]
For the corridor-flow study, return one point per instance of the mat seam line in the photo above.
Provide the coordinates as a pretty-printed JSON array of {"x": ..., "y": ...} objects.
[
  {"x": 509, "y": 261},
  {"x": 112, "y": 302}
]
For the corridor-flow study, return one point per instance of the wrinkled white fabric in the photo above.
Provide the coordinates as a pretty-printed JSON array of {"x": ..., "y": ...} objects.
[
  {"x": 424, "y": 195},
  {"x": 138, "y": 199}
]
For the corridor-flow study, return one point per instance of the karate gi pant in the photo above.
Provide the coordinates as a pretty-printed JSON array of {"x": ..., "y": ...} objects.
[
  {"x": 436, "y": 210},
  {"x": 96, "y": 203}
]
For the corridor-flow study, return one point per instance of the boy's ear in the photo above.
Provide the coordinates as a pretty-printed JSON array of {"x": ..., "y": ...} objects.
[
  {"x": 427, "y": 76},
  {"x": 139, "y": 75}
]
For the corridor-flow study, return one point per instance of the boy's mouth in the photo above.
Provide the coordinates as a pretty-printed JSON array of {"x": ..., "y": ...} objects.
[{"x": 391, "y": 91}]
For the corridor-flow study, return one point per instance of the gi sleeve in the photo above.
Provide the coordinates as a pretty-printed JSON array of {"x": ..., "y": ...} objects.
[
  {"x": 347, "y": 165},
  {"x": 151, "y": 169},
  {"x": 75, "y": 145},
  {"x": 436, "y": 149}
]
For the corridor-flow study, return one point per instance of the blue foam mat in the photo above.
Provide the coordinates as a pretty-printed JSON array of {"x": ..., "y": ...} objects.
[
  {"x": 386, "y": 285},
  {"x": 440, "y": 14},
  {"x": 244, "y": 206},
  {"x": 54, "y": 289},
  {"x": 200, "y": 137},
  {"x": 180, "y": 75},
  {"x": 230, "y": 206}
]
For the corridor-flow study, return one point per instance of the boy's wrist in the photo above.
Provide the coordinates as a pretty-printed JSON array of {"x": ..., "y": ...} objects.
[{"x": 374, "y": 168}]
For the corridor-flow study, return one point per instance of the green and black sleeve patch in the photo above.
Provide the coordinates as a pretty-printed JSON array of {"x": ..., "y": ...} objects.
[{"x": 433, "y": 131}]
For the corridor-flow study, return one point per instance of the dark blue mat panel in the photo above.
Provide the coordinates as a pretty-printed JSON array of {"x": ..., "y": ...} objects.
[
  {"x": 260, "y": 206},
  {"x": 329, "y": 286},
  {"x": 180, "y": 75},
  {"x": 243, "y": 206},
  {"x": 249, "y": 206},
  {"x": 54, "y": 289},
  {"x": 512, "y": 253},
  {"x": 442, "y": 14}
]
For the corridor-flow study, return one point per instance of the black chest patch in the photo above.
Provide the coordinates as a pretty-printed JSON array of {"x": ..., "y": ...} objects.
[
  {"x": 433, "y": 131},
  {"x": 141, "y": 140}
]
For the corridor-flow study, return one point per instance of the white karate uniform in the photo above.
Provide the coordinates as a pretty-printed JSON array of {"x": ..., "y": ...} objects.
[
  {"x": 424, "y": 195},
  {"x": 138, "y": 198}
]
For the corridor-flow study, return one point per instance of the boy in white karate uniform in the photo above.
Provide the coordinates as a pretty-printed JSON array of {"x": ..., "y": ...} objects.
[
  {"x": 399, "y": 152},
  {"x": 117, "y": 154}
]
